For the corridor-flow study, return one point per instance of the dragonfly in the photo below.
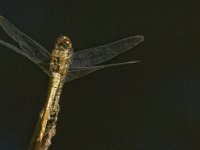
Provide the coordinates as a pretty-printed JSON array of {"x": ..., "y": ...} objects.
[{"x": 62, "y": 65}]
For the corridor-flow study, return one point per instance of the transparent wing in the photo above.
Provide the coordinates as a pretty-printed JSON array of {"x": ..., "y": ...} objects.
[
  {"x": 83, "y": 61},
  {"x": 83, "y": 71},
  {"x": 97, "y": 55},
  {"x": 28, "y": 47}
]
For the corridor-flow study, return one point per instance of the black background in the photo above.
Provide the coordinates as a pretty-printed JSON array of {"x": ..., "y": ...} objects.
[{"x": 152, "y": 105}]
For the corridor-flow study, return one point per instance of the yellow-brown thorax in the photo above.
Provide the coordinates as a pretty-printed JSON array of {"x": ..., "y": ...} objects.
[{"x": 61, "y": 56}]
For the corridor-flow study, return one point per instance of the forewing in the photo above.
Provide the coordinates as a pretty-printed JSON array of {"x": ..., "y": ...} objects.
[
  {"x": 28, "y": 47},
  {"x": 97, "y": 55}
]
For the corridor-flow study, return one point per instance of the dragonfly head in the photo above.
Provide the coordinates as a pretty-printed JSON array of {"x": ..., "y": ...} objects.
[{"x": 63, "y": 43}]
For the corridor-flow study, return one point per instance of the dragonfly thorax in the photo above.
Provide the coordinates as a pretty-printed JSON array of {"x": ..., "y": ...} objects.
[{"x": 61, "y": 55}]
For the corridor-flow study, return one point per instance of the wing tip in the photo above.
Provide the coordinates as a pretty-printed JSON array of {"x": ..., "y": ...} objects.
[
  {"x": 141, "y": 37},
  {"x": 136, "y": 38}
]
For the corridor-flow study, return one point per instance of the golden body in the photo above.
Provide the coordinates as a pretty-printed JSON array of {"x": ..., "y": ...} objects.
[{"x": 59, "y": 65}]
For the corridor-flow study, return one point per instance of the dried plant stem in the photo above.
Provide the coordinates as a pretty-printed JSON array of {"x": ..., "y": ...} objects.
[
  {"x": 46, "y": 125},
  {"x": 51, "y": 124}
]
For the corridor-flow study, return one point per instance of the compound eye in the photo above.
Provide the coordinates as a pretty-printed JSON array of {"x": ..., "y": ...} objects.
[{"x": 63, "y": 45}]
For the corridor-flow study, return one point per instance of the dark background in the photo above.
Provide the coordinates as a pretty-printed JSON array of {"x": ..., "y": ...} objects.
[{"x": 152, "y": 105}]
